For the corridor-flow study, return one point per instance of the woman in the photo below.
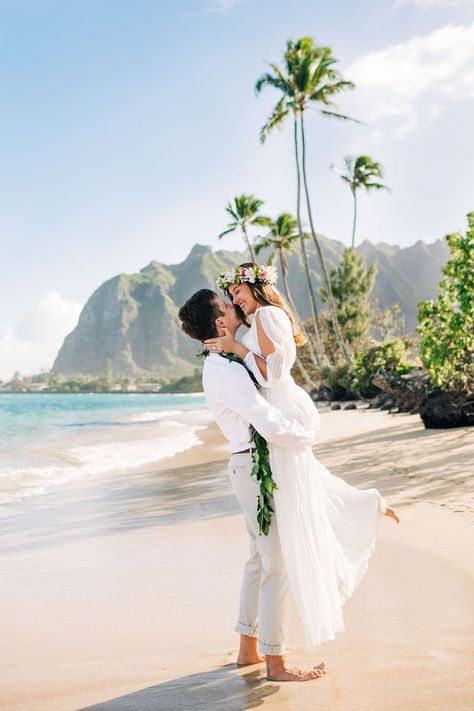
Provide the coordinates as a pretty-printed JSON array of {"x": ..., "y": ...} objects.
[{"x": 327, "y": 527}]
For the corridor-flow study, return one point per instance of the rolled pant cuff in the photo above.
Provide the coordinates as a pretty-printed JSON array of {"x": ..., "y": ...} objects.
[
  {"x": 249, "y": 630},
  {"x": 272, "y": 649}
]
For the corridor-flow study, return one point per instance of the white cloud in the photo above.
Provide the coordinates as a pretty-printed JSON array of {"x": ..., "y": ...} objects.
[
  {"x": 396, "y": 84},
  {"x": 427, "y": 4},
  {"x": 221, "y": 7},
  {"x": 34, "y": 343}
]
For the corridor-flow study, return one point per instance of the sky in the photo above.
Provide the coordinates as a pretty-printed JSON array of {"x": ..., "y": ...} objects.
[{"x": 126, "y": 125}]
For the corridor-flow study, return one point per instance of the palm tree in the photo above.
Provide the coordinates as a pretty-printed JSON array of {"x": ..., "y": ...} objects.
[
  {"x": 362, "y": 172},
  {"x": 281, "y": 239},
  {"x": 244, "y": 212},
  {"x": 279, "y": 114},
  {"x": 308, "y": 78}
]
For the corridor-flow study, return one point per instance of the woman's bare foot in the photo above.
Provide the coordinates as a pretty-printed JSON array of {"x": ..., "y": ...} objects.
[{"x": 390, "y": 512}]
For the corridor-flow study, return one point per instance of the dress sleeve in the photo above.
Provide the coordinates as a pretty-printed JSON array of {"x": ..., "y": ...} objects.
[
  {"x": 238, "y": 393},
  {"x": 278, "y": 329}
]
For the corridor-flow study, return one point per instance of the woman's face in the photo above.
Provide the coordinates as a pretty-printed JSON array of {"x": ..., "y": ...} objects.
[{"x": 241, "y": 295}]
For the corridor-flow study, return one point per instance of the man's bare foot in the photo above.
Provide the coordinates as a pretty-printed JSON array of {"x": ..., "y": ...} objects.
[
  {"x": 248, "y": 653},
  {"x": 256, "y": 658},
  {"x": 390, "y": 512},
  {"x": 294, "y": 674},
  {"x": 279, "y": 670}
]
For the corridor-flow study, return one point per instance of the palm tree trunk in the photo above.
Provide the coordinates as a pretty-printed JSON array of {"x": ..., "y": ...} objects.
[
  {"x": 312, "y": 297},
  {"x": 289, "y": 298},
  {"x": 332, "y": 306},
  {"x": 246, "y": 238},
  {"x": 304, "y": 374},
  {"x": 355, "y": 218}
]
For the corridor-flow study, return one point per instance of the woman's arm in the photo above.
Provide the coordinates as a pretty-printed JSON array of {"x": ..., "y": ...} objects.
[{"x": 276, "y": 343}]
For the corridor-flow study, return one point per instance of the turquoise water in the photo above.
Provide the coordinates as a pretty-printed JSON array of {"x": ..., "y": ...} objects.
[{"x": 48, "y": 438}]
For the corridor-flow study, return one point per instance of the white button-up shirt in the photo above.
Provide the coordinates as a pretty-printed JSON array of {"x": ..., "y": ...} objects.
[{"x": 235, "y": 402}]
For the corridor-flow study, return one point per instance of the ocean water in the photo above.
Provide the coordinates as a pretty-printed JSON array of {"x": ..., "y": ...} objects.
[{"x": 46, "y": 439}]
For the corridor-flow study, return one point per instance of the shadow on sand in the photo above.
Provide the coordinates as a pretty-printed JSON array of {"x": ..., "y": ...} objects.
[{"x": 223, "y": 688}]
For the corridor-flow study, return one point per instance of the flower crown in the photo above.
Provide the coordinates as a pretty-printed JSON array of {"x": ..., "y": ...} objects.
[{"x": 254, "y": 275}]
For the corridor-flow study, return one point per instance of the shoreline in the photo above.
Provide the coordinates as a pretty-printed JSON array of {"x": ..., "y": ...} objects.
[{"x": 120, "y": 590}]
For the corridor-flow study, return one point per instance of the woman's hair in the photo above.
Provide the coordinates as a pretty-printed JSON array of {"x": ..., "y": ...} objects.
[{"x": 267, "y": 295}]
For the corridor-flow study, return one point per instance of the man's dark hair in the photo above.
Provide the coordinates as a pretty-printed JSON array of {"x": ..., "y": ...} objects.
[{"x": 198, "y": 315}]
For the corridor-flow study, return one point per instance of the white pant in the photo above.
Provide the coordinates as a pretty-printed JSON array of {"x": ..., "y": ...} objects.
[{"x": 264, "y": 596}]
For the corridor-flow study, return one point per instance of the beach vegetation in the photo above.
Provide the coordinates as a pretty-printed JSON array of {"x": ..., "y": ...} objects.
[
  {"x": 351, "y": 285},
  {"x": 446, "y": 324},
  {"x": 389, "y": 357},
  {"x": 186, "y": 384}
]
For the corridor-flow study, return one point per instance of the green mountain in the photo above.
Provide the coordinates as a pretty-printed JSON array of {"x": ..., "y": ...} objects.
[{"x": 131, "y": 320}]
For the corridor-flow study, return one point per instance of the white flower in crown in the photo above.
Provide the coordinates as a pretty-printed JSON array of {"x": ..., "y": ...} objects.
[{"x": 253, "y": 275}]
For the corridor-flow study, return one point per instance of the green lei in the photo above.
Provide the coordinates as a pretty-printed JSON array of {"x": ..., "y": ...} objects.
[{"x": 260, "y": 459}]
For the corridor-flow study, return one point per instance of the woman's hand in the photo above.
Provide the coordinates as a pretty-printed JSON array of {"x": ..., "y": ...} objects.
[
  {"x": 221, "y": 344},
  {"x": 225, "y": 344}
]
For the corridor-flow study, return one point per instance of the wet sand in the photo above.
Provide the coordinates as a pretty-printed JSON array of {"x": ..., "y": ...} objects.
[{"x": 119, "y": 592}]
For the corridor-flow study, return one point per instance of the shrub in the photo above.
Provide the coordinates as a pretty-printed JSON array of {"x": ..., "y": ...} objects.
[
  {"x": 389, "y": 356},
  {"x": 446, "y": 324}
]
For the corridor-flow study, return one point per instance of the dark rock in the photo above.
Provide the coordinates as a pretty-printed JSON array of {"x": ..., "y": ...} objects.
[
  {"x": 413, "y": 393},
  {"x": 351, "y": 406},
  {"x": 406, "y": 391},
  {"x": 336, "y": 407},
  {"x": 322, "y": 394},
  {"x": 443, "y": 410}
]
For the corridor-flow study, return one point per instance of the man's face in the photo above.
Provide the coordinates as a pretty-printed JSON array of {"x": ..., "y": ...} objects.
[{"x": 228, "y": 315}]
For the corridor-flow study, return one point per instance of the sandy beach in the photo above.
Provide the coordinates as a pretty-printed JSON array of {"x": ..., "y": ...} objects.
[{"x": 119, "y": 591}]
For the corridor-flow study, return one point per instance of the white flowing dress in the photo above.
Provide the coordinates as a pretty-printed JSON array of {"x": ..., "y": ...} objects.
[{"x": 327, "y": 527}]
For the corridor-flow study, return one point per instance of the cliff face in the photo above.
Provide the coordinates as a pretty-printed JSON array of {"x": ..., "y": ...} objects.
[{"x": 132, "y": 320}]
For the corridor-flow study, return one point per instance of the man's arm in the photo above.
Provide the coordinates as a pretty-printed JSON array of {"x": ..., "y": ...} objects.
[{"x": 238, "y": 393}]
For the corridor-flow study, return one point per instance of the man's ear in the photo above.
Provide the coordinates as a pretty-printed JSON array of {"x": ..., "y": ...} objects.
[{"x": 220, "y": 325}]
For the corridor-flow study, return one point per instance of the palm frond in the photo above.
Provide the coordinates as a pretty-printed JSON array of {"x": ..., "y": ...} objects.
[
  {"x": 377, "y": 186},
  {"x": 285, "y": 83},
  {"x": 267, "y": 79},
  {"x": 231, "y": 228},
  {"x": 340, "y": 116},
  {"x": 262, "y": 220},
  {"x": 276, "y": 118}
]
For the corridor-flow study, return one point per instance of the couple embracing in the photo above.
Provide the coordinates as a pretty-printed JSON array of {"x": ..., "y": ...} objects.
[{"x": 311, "y": 533}]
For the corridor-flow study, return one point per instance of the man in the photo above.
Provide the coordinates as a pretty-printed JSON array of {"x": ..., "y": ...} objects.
[{"x": 236, "y": 403}]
